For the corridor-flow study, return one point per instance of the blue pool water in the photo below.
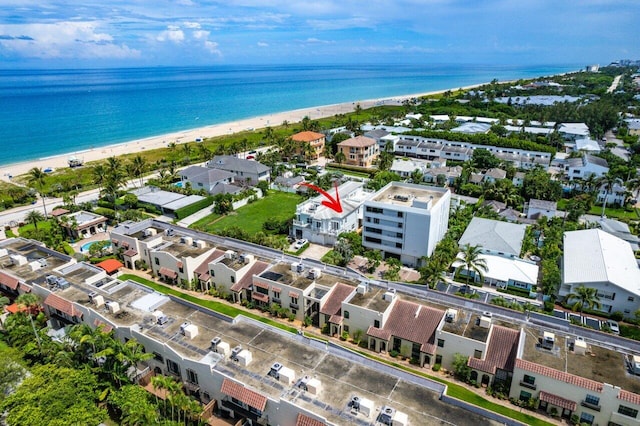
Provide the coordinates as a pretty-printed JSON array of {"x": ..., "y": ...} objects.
[
  {"x": 85, "y": 247},
  {"x": 178, "y": 184}
]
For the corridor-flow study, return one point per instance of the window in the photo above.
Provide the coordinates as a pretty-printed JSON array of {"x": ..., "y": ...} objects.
[
  {"x": 376, "y": 221},
  {"x": 373, "y": 240},
  {"x": 346, "y": 328},
  {"x": 346, "y": 314},
  {"x": 158, "y": 357},
  {"x": 276, "y": 294},
  {"x": 530, "y": 380},
  {"x": 477, "y": 354},
  {"x": 525, "y": 396},
  {"x": 233, "y": 279},
  {"x": 261, "y": 290},
  {"x": 630, "y": 299},
  {"x": 399, "y": 245},
  {"x": 592, "y": 400},
  {"x": 586, "y": 418},
  {"x": 192, "y": 377},
  {"x": 376, "y": 323},
  {"x": 173, "y": 367},
  {"x": 627, "y": 411},
  {"x": 400, "y": 214},
  {"x": 181, "y": 269},
  {"x": 212, "y": 273},
  {"x": 441, "y": 343},
  {"x": 294, "y": 300},
  {"x": 156, "y": 260}
]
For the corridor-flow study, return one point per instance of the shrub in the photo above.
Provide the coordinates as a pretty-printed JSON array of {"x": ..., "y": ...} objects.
[
  {"x": 394, "y": 353},
  {"x": 617, "y": 316},
  {"x": 437, "y": 367},
  {"x": 183, "y": 212},
  {"x": 344, "y": 336}
]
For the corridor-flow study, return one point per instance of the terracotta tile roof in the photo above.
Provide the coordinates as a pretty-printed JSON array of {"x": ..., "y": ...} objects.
[
  {"x": 239, "y": 392},
  {"x": 204, "y": 266},
  {"x": 378, "y": 333},
  {"x": 303, "y": 420},
  {"x": 358, "y": 142},
  {"x": 558, "y": 375},
  {"x": 130, "y": 253},
  {"x": 106, "y": 328},
  {"x": 558, "y": 401},
  {"x": 502, "y": 348},
  {"x": 336, "y": 319},
  {"x": 307, "y": 136},
  {"x": 110, "y": 265},
  {"x": 9, "y": 281},
  {"x": 631, "y": 397},
  {"x": 58, "y": 212},
  {"x": 168, "y": 272},
  {"x": 246, "y": 281},
  {"x": 56, "y": 302},
  {"x": 333, "y": 304},
  {"x": 415, "y": 323}
]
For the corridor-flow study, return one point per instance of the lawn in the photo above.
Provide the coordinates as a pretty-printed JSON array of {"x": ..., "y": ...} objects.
[
  {"x": 610, "y": 212},
  {"x": 279, "y": 205}
]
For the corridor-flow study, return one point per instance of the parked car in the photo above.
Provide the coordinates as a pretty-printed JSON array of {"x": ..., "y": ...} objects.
[
  {"x": 298, "y": 245},
  {"x": 613, "y": 326}
]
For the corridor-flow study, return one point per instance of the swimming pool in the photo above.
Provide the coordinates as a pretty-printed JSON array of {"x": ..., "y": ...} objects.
[
  {"x": 85, "y": 247},
  {"x": 178, "y": 184}
]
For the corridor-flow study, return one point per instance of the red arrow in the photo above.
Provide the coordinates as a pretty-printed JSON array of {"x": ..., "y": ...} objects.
[{"x": 333, "y": 204}]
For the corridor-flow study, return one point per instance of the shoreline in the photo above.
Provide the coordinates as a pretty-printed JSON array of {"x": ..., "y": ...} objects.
[{"x": 8, "y": 171}]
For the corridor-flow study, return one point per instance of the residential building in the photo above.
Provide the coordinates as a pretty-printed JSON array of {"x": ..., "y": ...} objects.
[
  {"x": 382, "y": 137},
  {"x": 585, "y": 166},
  {"x": 472, "y": 128},
  {"x": 494, "y": 237},
  {"x": 359, "y": 151},
  {"x": 213, "y": 181},
  {"x": 620, "y": 230},
  {"x": 518, "y": 179},
  {"x": 248, "y": 172},
  {"x": 165, "y": 201},
  {"x": 448, "y": 174},
  {"x": 587, "y": 145},
  {"x": 573, "y": 131},
  {"x": 405, "y": 167},
  {"x": 616, "y": 196},
  {"x": 83, "y": 224},
  {"x": 597, "y": 259},
  {"x": 535, "y": 209},
  {"x": 315, "y": 140},
  {"x": 494, "y": 174},
  {"x": 388, "y": 143},
  {"x": 321, "y": 224},
  {"x": 503, "y": 272},
  {"x": 633, "y": 124},
  {"x": 406, "y": 221}
]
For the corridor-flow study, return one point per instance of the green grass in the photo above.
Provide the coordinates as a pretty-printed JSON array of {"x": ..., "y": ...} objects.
[
  {"x": 453, "y": 390},
  {"x": 610, "y": 212},
  {"x": 279, "y": 205}
]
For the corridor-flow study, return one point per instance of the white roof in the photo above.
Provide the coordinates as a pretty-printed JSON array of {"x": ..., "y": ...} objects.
[
  {"x": 594, "y": 256},
  {"x": 407, "y": 166},
  {"x": 587, "y": 144},
  {"x": 504, "y": 269},
  {"x": 574, "y": 128}
]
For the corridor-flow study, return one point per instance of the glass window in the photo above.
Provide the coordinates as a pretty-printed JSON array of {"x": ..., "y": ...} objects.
[
  {"x": 346, "y": 314},
  {"x": 173, "y": 367},
  {"x": 441, "y": 343},
  {"x": 531, "y": 380},
  {"x": 376, "y": 323},
  {"x": 627, "y": 411},
  {"x": 477, "y": 354},
  {"x": 157, "y": 260},
  {"x": 192, "y": 377},
  {"x": 525, "y": 396},
  {"x": 586, "y": 418},
  {"x": 592, "y": 399}
]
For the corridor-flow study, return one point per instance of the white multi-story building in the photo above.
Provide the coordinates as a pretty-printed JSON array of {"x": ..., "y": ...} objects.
[
  {"x": 406, "y": 221},
  {"x": 599, "y": 260},
  {"x": 321, "y": 224},
  {"x": 587, "y": 165}
]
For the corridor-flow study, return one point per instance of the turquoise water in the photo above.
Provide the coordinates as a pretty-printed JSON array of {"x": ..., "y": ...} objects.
[
  {"x": 52, "y": 112},
  {"x": 85, "y": 247}
]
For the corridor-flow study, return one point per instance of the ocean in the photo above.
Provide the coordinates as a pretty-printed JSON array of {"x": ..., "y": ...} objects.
[{"x": 52, "y": 112}]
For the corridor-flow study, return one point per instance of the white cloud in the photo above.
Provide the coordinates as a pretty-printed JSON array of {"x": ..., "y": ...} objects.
[
  {"x": 173, "y": 33},
  {"x": 201, "y": 34},
  {"x": 313, "y": 40},
  {"x": 263, "y": 44},
  {"x": 193, "y": 25},
  {"x": 212, "y": 47},
  {"x": 62, "y": 40}
]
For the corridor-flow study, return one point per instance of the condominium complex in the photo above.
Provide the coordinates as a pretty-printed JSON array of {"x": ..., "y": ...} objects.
[{"x": 406, "y": 221}]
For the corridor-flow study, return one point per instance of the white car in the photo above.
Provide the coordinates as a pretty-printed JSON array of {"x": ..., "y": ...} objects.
[
  {"x": 299, "y": 243},
  {"x": 613, "y": 326}
]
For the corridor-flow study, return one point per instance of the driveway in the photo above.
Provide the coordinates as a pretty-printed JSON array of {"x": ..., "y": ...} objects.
[{"x": 315, "y": 251}]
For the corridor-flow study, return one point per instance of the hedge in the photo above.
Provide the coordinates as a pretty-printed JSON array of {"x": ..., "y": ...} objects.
[
  {"x": 357, "y": 169},
  {"x": 183, "y": 212}
]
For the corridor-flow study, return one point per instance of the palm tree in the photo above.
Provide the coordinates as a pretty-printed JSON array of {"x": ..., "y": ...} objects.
[
  {"x": 473, "y": 262},
  {"x": 99, "y": 173},
  {"x": 285, "y": 123},
  {"x": 205, "y": 152},
  {"x": 31, "y": 302},
  {"x": 340, "y": 157},
  {"x": 584, "y": 296},
  {"x": 306, "y": 123},
  {"x": 34, "y": 216},
  {"x": 37, "y": 178},
  {"x": 608, "y": 182},
  {"x": 138, "y": 167},
  {"x": 433, "y": 272}
]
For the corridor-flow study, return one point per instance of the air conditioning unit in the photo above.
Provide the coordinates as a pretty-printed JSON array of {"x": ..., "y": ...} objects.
[
  {"x": 223, "y": 349},
  {"x": 548, "y": 340},
  {"x": 200, "y": 244},
  {"x": 297, "y": 267},
  {"x": 275, "y": 370},
  {"x": 355, "y": 403},
  {"x": 362, "y": 288},
  {"x": 244, "y": 358},
  {"x": 246, "y": 258},
  {"x": 451, "y": 315},
  {"x": 91, "y": 296},
  {"x": 214, "y": 343},
  {"x": 314, "y": 273},
  {"x": 191, "y": 331},
  {"x": 184, "y": 326},
  {"x": 98, "y": 301},
  {"x": 162, "y": 319},
  {"x": 386, "y": 415},
  {"x": 287, "y": 376},
  {"x": 389, "y": 295},
  {"x": 235, "y": 351},
  {"x": 150, "y": 232},
  {"x": 113, "y": 307},
  {"x": 230, "y": 254},
  {"x": 186, "y": 240}
]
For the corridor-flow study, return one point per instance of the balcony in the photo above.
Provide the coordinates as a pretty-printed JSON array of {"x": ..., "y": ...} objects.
[
  {"x": 595, "y": 407},
  {"x": 241, "y": 411},
  {"x": 528, "y": 385},
  {"x": 301, "y": 224}
]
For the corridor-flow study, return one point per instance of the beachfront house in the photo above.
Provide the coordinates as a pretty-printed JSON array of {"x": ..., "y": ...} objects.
[
  {"x": 248, "y": 172},
  {"x": 213, "y": 181},
  {"x": 309, "y": 144},
  {"x": 82, "y": 224},
  {"x": 359, "y": 151}
]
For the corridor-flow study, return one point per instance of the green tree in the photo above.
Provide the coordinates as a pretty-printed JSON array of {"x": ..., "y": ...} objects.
[
  {"x": 608, "y": 183},
  {"x": 37, "y": 178},
  {"x": 374, "y": 257},
  {"x": 393, "y": 269},
  {"x": 55, "y": 396},
  {"x": 461, "y": 367},
  {"x": 340, "y": 157},
  {"x": 33, "y": 217},
  {"x": 11, "y": 370},
  {"x": 138, "y": 166},
  {"x": 483, "y": 159},
  {"x": 584, "y": 297},
  {"x": 223, "y": 203},
  {"x": 537, "y": 184},
  {"x": 473, "y": 263}
]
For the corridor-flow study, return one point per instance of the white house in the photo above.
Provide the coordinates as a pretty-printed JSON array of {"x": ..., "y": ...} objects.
[
  {"x": 321, "y": 224},
  {"x": 494, "y": 237},
  {"x": 406, "y": 221},
  {"x": 539, "y": 208},
  {"x": 596, "y": 259},
  {"x": 583, "y": 167},
  {"x": 573, "y": 131},
  {"x": 405, "y": 167}
]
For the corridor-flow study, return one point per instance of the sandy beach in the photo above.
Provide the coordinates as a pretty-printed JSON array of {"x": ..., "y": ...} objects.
[{"x": 154, "y": 142}]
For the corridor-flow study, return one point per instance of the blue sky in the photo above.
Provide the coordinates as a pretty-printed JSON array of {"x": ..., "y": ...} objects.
[{"x": 96, "y": 33}]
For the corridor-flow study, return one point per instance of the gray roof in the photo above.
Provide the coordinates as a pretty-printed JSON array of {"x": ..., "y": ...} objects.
[
  {"x": 596, "y": 160},
  {"x": 494, "y": 235},
  {"x": 472, "y": 128},
  {"x": 376, "y": 134},
  {"x": 542, "y": 204},
  {"x": 206, "y": 173},
  {"x": 496, "y": 173},
  {"x": 620, "y": 230},
  {"x": 235, "y": 164}
]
